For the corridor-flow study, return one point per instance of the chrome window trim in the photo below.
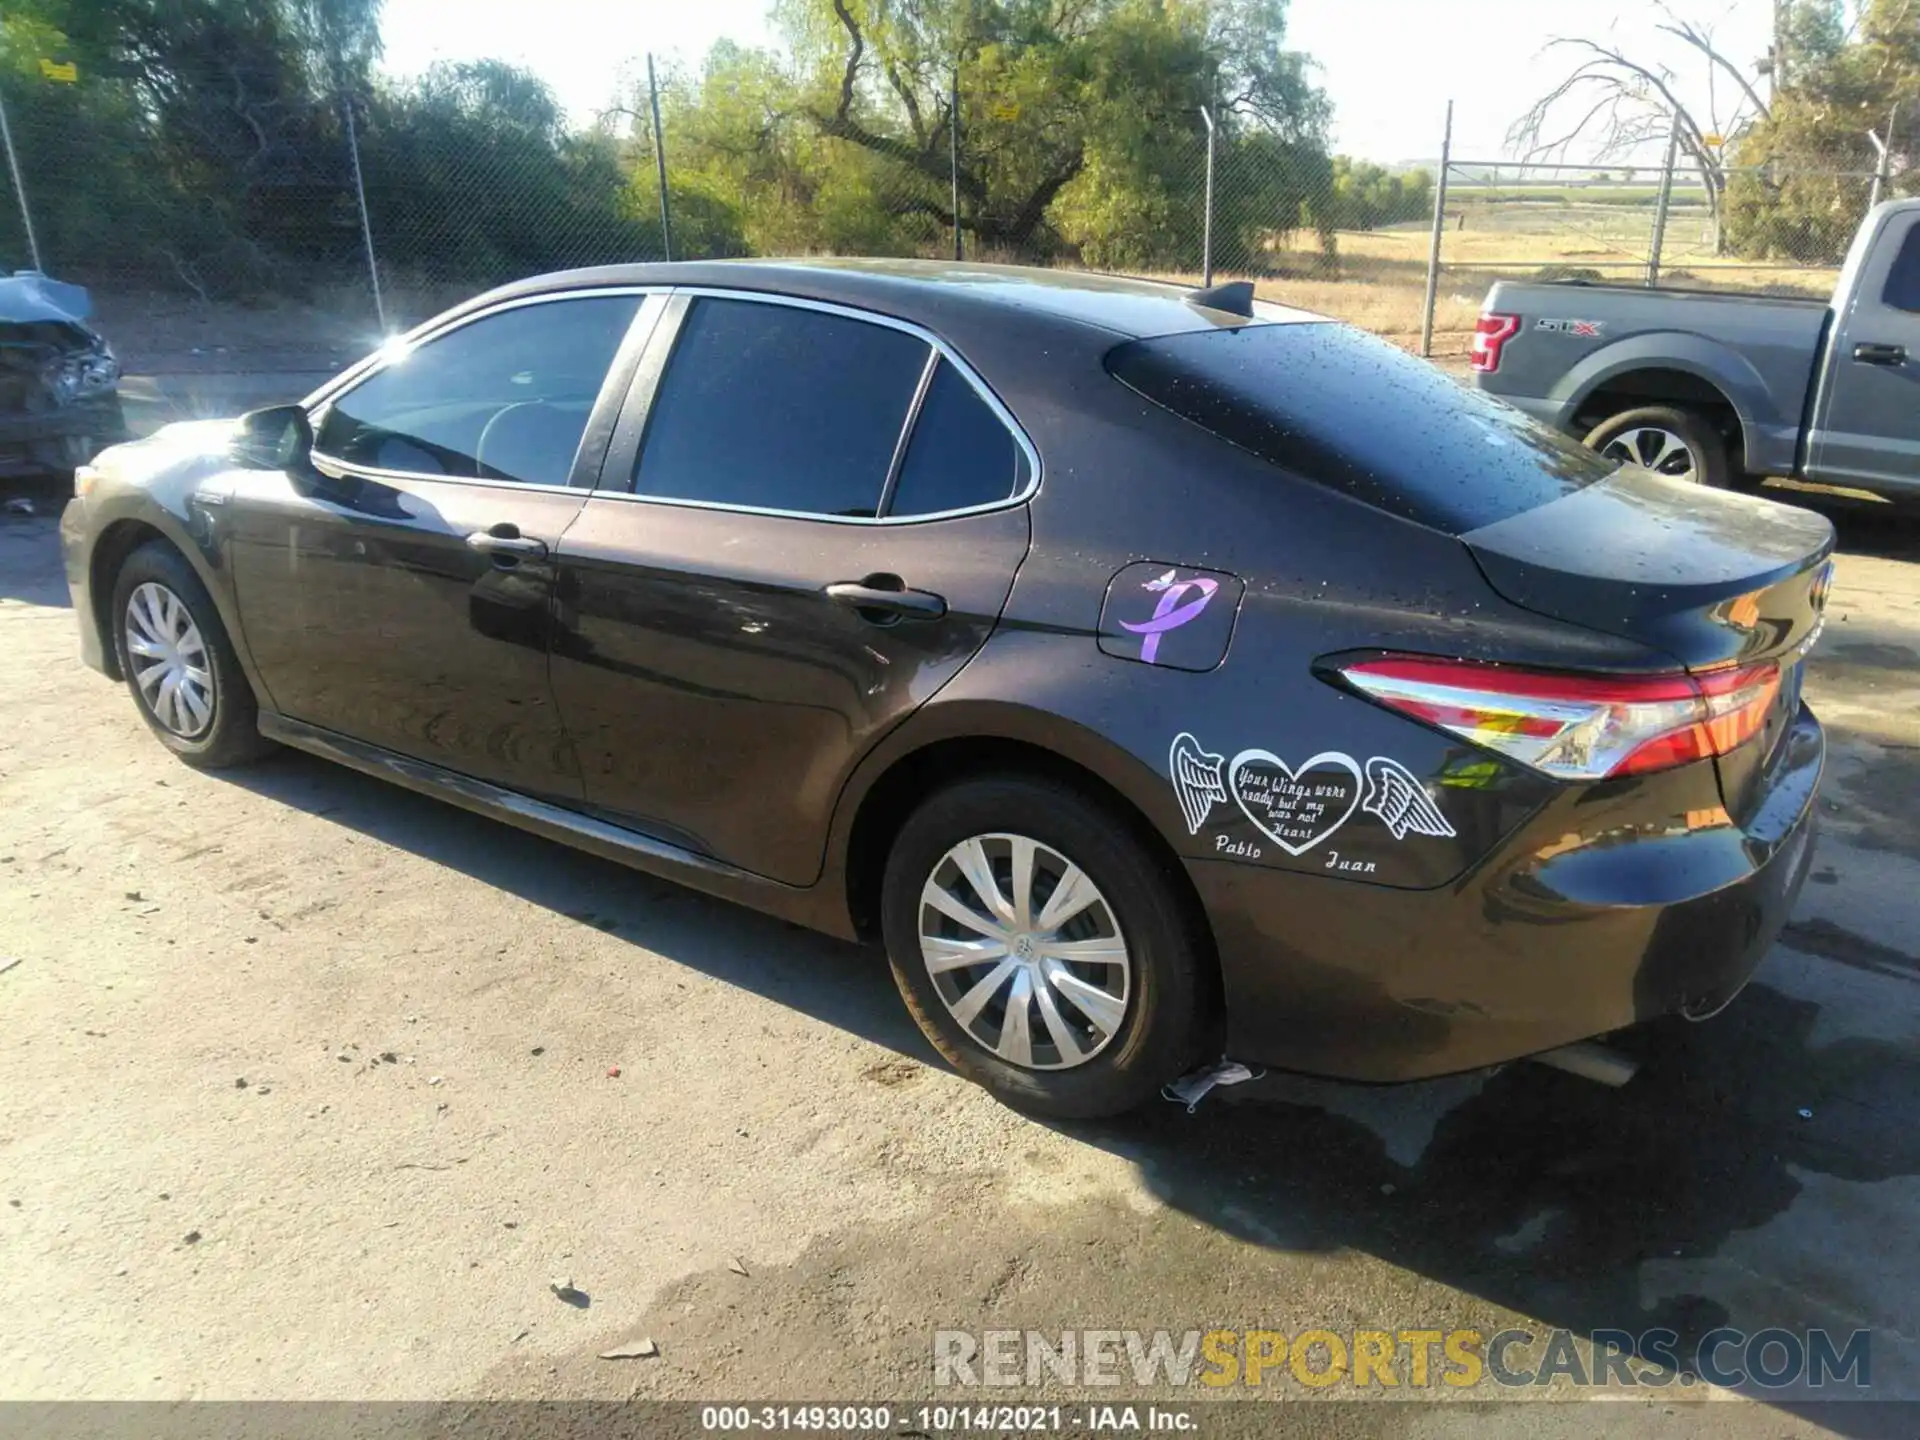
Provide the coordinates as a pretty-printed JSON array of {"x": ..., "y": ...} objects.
[
  {"x": 426, "y": 332},
  {"x": 941, "y": 351},
  {"x": 339, "y": 469},
  {"x": 904, "y": 439}
]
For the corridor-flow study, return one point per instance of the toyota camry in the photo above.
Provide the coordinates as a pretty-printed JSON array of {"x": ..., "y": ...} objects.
[{"x": 1155, "y": 674}]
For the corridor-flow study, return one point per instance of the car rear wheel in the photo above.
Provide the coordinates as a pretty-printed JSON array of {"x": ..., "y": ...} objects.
[
  {"x": 1043, "y": 950},
  {"x": 179, "y": 665},
  {"x": 1672, "y": 442}
]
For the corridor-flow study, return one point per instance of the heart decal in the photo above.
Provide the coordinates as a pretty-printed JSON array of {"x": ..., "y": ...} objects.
[{"x": 1296, "y": 809}]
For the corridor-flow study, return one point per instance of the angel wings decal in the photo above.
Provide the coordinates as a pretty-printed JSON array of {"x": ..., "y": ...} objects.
[
  {"x": 1396, "y": 795},
  {"x": 1300, "y": 808},
  {"x": 1199, "y": 780}
]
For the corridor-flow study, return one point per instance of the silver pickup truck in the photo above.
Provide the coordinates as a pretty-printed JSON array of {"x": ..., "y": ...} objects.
[{"x": 1716, "y": 387}]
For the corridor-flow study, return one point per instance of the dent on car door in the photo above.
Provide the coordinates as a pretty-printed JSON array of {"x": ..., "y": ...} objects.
[
  {"x": 399, "y": 589},
  {"x": 1867, "y": 430},
  {"x": 820, "y": 528}
]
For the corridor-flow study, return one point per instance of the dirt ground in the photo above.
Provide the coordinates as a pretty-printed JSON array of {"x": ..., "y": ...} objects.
[{"x": 312, "y": 1088}]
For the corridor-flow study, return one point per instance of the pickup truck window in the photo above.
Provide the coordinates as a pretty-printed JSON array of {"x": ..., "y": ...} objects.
[
  {"x": 1336, "y": 406},
  {"x": 1903, "y": 280}
]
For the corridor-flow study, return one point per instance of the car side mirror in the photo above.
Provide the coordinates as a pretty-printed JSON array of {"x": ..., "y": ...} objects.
[{"x": 277, "y": 438}]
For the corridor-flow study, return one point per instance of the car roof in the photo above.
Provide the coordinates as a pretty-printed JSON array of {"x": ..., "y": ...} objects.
[{"x": 928, "y": 291}]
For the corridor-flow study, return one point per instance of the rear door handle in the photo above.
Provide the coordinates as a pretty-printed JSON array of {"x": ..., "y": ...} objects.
[
  {"x": 505, "y": 543},
  {"x": 1871, "y": 354},
  {"x": 887, "y": 600}
]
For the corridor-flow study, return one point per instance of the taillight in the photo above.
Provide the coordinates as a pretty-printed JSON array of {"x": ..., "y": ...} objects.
[
  {"x": 1489, "y": 335},
  {"x": 1577, "y": 727}
]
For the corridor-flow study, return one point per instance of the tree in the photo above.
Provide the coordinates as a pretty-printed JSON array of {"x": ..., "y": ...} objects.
[
  {"x": 1619, "y": 102},
  {"x": 1051, "y": 91},
  {"x": 1803, "y": 181},
  {"x": 193, "y": 126},
  {"x": 1366, "y": 196},
  {"x": 474, "y": 176}
]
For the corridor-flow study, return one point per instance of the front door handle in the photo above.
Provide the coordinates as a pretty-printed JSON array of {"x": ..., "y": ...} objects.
[
  {"x": 506, "y": 544},
  {"x": 1872, "y": 354},
  {"x": 883, "y": 599}
]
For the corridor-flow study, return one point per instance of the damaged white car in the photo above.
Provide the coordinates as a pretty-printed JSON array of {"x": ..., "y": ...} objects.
[{"x": 59, "y": 400}]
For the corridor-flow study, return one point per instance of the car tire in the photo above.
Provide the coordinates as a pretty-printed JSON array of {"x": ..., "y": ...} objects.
[
  {"x": 1682, "y": 444},
  {"x": 1118, "y": 1052},
  {"x": 203, "y": 712}
]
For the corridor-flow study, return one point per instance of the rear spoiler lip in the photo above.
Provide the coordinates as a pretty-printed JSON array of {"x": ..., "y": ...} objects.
[{"x": 1666, "y": 564}]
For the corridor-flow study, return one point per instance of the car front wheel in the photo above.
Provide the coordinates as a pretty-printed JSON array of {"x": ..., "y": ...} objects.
[
  {"x": 179, "y": 665},
  {"x": 1045, "y": 951}
]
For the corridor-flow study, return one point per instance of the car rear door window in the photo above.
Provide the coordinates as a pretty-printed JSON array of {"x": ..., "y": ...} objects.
[
  {"x": 961, "y": 453},
  {"x": 1336, "y": 406},
  {"x": 504, "y": 397},
  {"x": 779, "y": 407},
  {"x": 1903, "y": 280}
]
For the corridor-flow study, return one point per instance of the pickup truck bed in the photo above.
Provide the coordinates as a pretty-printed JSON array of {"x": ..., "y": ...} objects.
[
  {"x": 1743, "y": 385},
  {"x": 1624, "y": 346}
]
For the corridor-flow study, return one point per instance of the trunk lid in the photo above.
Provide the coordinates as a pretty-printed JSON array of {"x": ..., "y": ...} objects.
[{"x": 1711, "y": 578}]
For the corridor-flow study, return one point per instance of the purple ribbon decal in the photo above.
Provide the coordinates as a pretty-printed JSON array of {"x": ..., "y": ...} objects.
[{"x": 1170, "y": 613}]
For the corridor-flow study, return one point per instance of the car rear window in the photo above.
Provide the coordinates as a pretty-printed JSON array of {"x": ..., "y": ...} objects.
[
  {"x": 961, "y": 453},
  {"x": 779, "y": 407},
  {"x": 1903, "y": 279},
  {"x": 1336, "y": 406}
]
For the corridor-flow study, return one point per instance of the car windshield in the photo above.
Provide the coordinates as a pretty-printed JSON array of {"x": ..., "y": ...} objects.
[{"x": 1336, "y": 406}]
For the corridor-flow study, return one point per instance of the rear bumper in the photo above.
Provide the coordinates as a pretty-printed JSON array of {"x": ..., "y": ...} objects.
[{"x": 1587, "y": 920}]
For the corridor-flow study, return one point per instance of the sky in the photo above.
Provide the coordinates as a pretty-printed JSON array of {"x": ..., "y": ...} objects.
[{"x": 1389, "y": 66}]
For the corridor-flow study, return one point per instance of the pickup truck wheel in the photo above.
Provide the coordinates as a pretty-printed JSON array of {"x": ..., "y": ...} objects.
[{"x": 1676, "y": 443}]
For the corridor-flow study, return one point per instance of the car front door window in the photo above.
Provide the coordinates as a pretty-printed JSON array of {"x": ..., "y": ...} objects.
[{"x": 504, "y": 398}]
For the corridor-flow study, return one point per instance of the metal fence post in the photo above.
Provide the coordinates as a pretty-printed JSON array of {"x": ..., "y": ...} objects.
[
  {"x": 19, "y": 187},
  {"x": 1433, "y": 250},
  {"x": 1206, "y": 229},
  {"x": 660, "y": 162},
  {"x": 953, "y": 157},
  {"x": 1661, "y": 205},
  {"x": 366, "y": 224}
]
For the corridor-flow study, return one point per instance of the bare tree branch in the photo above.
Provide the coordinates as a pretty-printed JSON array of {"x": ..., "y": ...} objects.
[{"x": 1702, "y": 40}]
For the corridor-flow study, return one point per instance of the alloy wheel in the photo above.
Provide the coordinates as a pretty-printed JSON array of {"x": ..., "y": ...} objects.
[
  {"x": 1658, "y": 450},
  {"x": 169, "y": 660},
  {"x": 1025, "y": 952}
]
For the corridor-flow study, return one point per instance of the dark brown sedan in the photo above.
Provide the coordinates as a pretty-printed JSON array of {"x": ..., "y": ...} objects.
[{"x": 1157, "y": 674}]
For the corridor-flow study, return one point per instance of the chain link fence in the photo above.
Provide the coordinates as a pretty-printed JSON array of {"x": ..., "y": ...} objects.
[{"x": 221, "y": 225}]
